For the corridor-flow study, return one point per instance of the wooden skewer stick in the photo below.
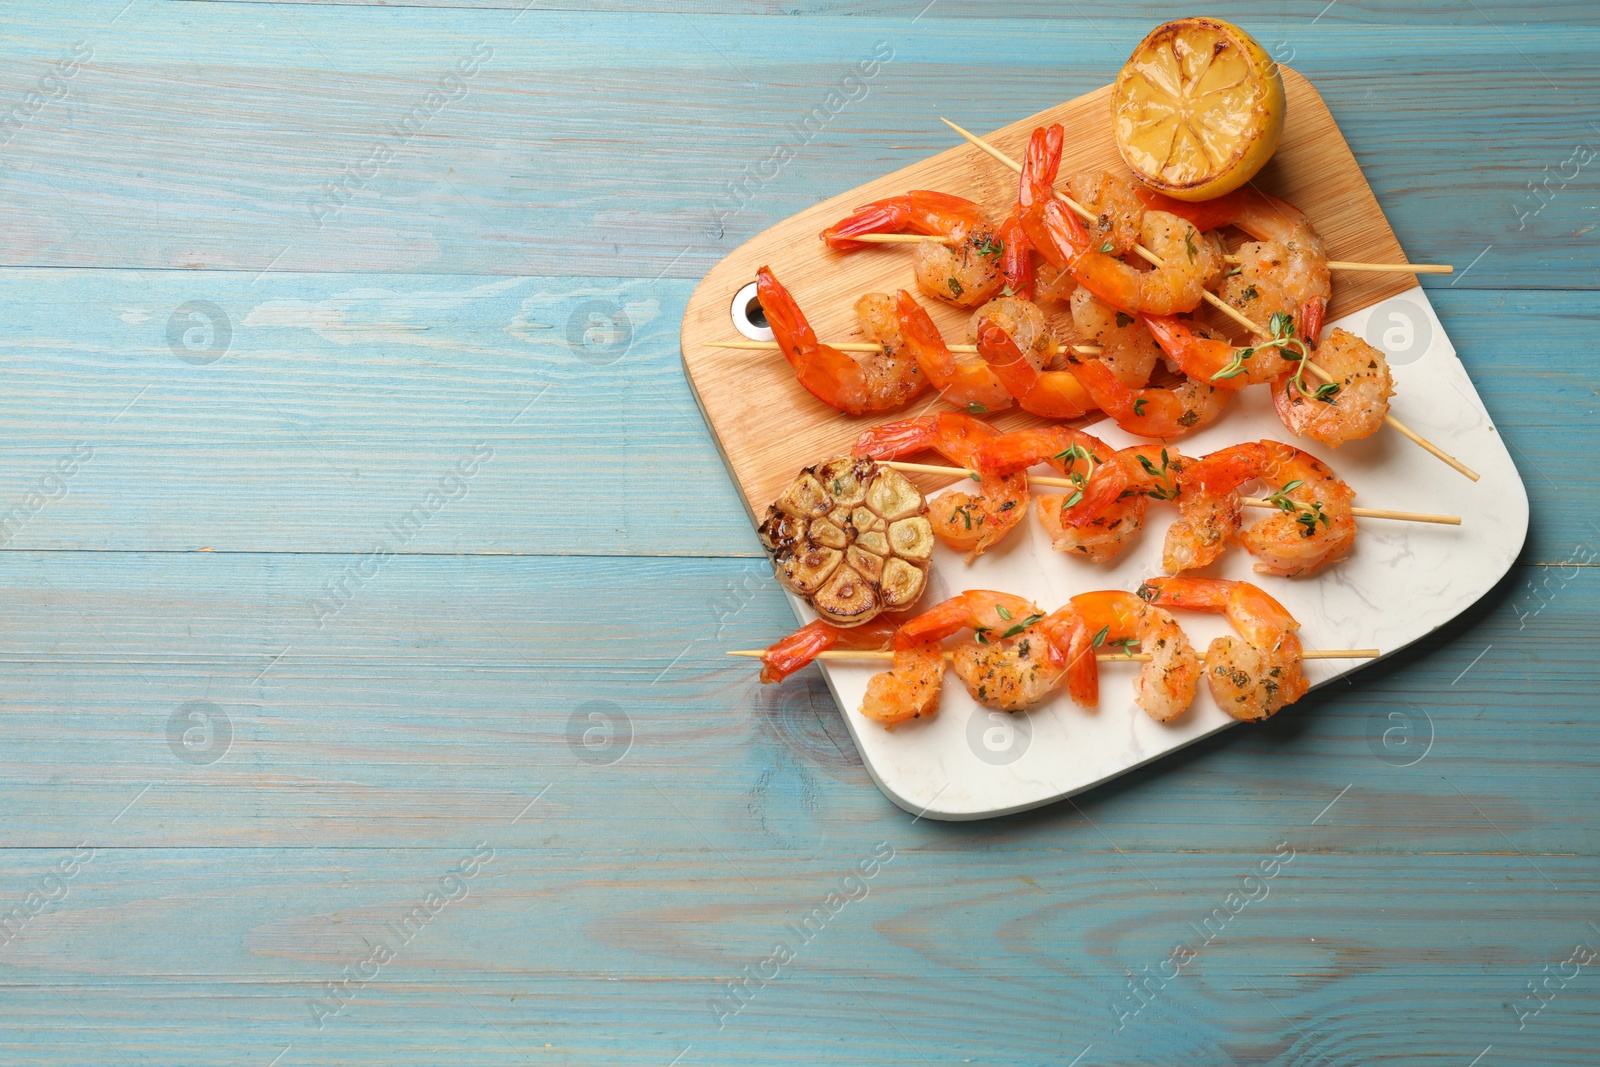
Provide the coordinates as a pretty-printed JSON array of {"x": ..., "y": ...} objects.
[
  {"x": 1249, "y": 501},
  {"x": 1335, "y": 264},
  {"x": 1103, "y": 657},
  {"x": 1088, "y": 216},
  {"x": 1223, "y": 306},
  {"x": 869, "y": 346}
]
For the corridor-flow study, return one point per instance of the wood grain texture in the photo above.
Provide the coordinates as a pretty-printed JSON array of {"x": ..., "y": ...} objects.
[
  {"x": 385, "y": 380},
  {"x": 740, "y": 392},
  {"x": 445, "y": 693},
  {"x": 248, "y": 112},
  {"x": 369, "y": 756}
]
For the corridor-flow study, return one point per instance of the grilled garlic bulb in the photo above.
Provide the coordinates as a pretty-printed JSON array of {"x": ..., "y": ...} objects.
[{"x": 851, "y": 537}]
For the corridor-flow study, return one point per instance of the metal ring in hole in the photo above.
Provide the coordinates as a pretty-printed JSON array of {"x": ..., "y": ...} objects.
[{"x": 748, "y": 318}]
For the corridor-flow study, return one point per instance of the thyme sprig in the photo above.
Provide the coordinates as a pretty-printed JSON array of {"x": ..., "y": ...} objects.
[
  {"x": 1294, "y": 351},
  {"x": 1166, "y": 490},
  {"x": 1078, "y": 478},
  {"x": 1307, "y": 515}
]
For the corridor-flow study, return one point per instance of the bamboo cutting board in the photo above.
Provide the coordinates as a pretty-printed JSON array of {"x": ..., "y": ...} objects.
[{"x": 768, "y": 427}]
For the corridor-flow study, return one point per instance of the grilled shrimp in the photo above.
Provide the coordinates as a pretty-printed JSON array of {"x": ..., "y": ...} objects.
[
  {"x": 1312, "y": 528},
  {"x": 1126, "y": 343},
  {"x": 1209, "y": 507},
  {"x": 1023, "y": 322},
  {"x": 855, "y": 383},
  {"x": 1097, "y": 519},
  {"x": 964, "y": 521},
  {"x": 1284, "y": 272},
  {"x": 1166, "y": 685},
  {"x": 1164, "y": 413},
  {"x": 1190, "y": 259},
  {"x": 910, "y": 689},
  {"x": 1314, "y": 525},
  {"x": 1055, "y": 394},
  {"x": 1253, "y": 675},
  {"x": 964, "y": 273},
  {"x": 1356, "y": 409},
  {"x": 1216, "y": 362},
  {"x": 968, "y": 383},
  {"x": 1117, "y": 210}
]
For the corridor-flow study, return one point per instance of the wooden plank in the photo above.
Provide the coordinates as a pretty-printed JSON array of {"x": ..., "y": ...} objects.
[
  {"x": 386, "y": 380},
  {"x": 231, "y": 412},
  {"x": 546, "y": 955},
  {"x": 1414, "y": 15},
  {"x": 444, "y": 694},
  {"x": 202, "y": 135}
]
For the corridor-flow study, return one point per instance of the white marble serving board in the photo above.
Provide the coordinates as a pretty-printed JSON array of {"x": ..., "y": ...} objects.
[{"x": 1401, "y": 581}]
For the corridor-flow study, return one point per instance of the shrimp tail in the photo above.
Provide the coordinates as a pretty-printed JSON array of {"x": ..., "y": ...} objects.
[
  {"x": 788, "y": 322},
  {"x": 790, "y": 654},
  {"x": 1194, "y": 594},
  {"x": 1021, "y": 449},
  {"x": 1040, "y": 164},
  {"x": 1223, "y": 471},
  {"x": 1203, "y": 215},
  {"x": 882, "y": 216},
  {"x": 899, "y": 438},
  {"x": 1016, "y": 260},
  {"x": 1312, "y": 314},
  {"x": 926, "y": 343},
  {"x": 1201, "y": 358},
  {"x": 1108, "y": 391},
  {"x": 1060, "y": 395},
  {"x": 1070, "y": 639}
]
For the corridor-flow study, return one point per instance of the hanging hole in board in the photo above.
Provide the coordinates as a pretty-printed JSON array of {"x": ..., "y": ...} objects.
[{"x": 748, "y": 317}]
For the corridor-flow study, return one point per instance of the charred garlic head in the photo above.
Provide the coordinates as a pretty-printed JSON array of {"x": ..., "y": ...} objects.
[{"x": 851, "y": 537}]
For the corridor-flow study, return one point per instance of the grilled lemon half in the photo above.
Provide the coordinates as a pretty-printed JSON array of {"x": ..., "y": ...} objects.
[{"x": 1198, "y": 108}]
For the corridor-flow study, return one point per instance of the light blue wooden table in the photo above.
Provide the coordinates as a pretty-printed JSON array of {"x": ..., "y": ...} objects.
[{"x": 368, "y": 570}]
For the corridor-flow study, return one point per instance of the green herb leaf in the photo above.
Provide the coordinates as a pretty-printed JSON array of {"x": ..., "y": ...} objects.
[
  {"x": 1073, "y": 499},
  {"x": 1021, "y": 626},
  {"x": 1107, "y": 248},
  {"x": 1281, "y": 325},
  {"x": 1100, "y": 638},
  {"x": 1188, "y": 243},
  {"x": 1250, "y": 293},
  {"x": 955, "y": 287},
  {"x": 1008, "y": 291},
  {"x": 1138, "y": 406},
  {"x": 977, "y": 408},
  {"x": 991, "y": 247},
  {"x": 1326, "y": 392},
  {"x": 1000, "y": 610},
  {"x": 1235, "y": 365},
  {"x": 1234, "y": 271}
]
